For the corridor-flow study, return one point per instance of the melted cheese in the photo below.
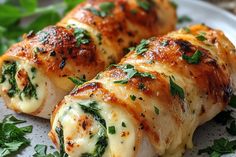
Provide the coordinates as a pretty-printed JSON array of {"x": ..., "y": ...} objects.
[
  {"x": 124, "y": 139},
  {"x": 109, "y": 53},
  {"x": 47, "y": 92},
  {"x": 25, "y": 104}
]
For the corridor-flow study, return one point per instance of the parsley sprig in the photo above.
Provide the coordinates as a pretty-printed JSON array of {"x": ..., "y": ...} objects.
[
  {"x": 142, "y": 47},
  {"x": 77, "y": 81},
  {"x": 132, "y": 72},
  {"x": 104, "y": 10},
  {"x": 175, "y": 89},
  {"x": 194, "y": 59},
  {"x": 12, "y": 137},
  {"x": 145, "y": 4},
  {"x": 41, "y": 151},
  {"x": 220, "y": 147}
]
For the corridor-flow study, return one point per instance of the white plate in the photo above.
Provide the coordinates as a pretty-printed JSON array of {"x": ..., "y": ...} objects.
[{"x": 200, "y": 12}]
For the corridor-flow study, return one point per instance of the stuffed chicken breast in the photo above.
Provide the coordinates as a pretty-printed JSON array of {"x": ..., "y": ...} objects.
[
  {"x": 152, "y": 101},
  {"x": 39, "y": 71}
]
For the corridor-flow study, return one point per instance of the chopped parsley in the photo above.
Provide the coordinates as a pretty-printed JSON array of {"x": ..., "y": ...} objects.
[
  {"x": 144, "y": 4},
  {"x": 41, "y": 151},
  {"x": 122, "y": 81},
  {"x": 194, "y": 59},
  {"x": 99, "y": 37},
  {"x": 157, "y": 111},
  {"x": 132, "y": 97},
  {"x": 29, "y": 91},
  {"x": 111, "y": 129},
  {"x": 165, "y": 43},
  {"x": 33, "y": 70},
  {"x": 93, "y": 110},
  {"x": 123, "y": 124},
  {"x": 132, "y": 72},
  {"x": 102, "y": 143},
  {"x": 81, "y": 35},
  {"x": 9, "y": 70},
  {"x": 60, "y": 134},
  {"x": 201, "y": 37},
  {"x": 232, "y": 128},
  {"x": 220, "y": 147},
  {"x": 176, "y": 89},
  {"x": 232, "y": 101},
  {"x": 184, "y": 19},
  {"x": 186, "y": 29},
  {"x": 142, "y": 47},
  {"x": 12, "y": 137},
  {"x": 105, "y": 9},
  {"x": 77, "y": 81},
  {"x": 141, "y": 86}
]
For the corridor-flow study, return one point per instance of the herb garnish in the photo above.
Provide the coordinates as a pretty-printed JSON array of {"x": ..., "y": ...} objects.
[
  {"x": 123, "y": 124},
  {"x": 29, "y": 91},
  {"x": 183, "y": 19},
  {"x": 132, "y": 97},
  {"x": 77, "y": 81},
  {"x": 142, "y": 47},
  {"x": 111, "y": 129},
  {"x": 201, "y": 37},
  {"x": 105, "y": 9},
  {"x": 33, "y": 70},
  {"x": 92, "y": 109},
  {"x": 157, "y": 111},
  {"x": 132, "y": 72},
  {"x": 41, "y": 151},
  {"x": 144, "y": 4},
  {"x": 100, "y": 147},
  {"x": 165, "y": 43},
  {"x": 220, "y": 147},
  {"x": 99, "y": 37},
  {"x": 194, "y": 59},
  {"x": 12, "y": 138},
  {"x": 186, "y": 29},
  {"x": 141, "y": 86},
  {"x": 176, "y": 89},
  {"x": 9, "y": 69},
  {"x": 60, "y": 134},
  {"x": 81, "y": 35}
]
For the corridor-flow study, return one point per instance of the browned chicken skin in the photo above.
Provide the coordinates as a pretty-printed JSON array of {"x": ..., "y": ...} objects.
[
  {"x": 162, "y": 91},
  {"x": 93, "y": 35}
]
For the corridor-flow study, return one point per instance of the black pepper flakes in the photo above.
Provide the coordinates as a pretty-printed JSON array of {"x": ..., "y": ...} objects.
[
  {"x": 53, "y": 53},
  {"x": 63, "y": 63}
]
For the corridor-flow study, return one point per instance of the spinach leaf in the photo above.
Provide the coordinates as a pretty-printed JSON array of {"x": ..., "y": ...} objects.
[
  {"x": 102, "y": 142},
  {"x": 9, "y": 70}
]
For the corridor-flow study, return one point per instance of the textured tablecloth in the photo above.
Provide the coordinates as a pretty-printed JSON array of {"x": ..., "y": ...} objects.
[{"x": 229, "y": 5}]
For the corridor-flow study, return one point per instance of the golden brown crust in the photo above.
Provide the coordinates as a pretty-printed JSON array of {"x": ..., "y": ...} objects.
[
  {"x": 55, "y": 50},
  {"x": 55, "y": 47},
  {"x": 206, "y": 85}
]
